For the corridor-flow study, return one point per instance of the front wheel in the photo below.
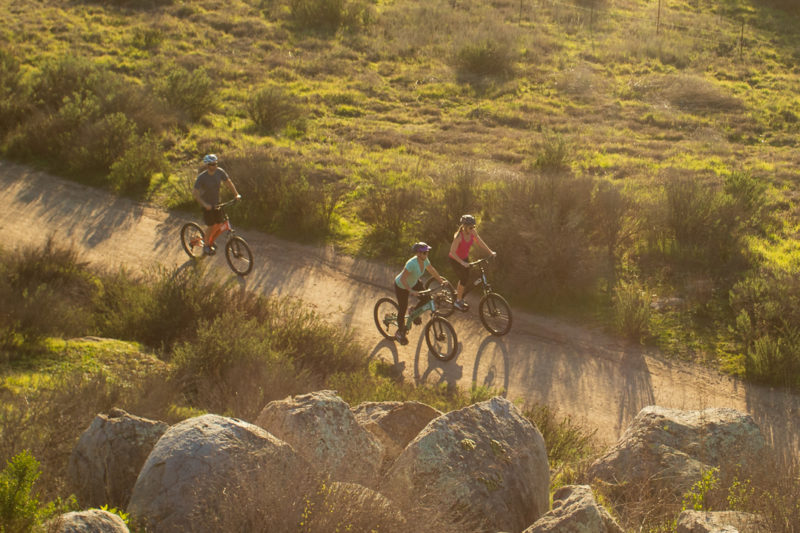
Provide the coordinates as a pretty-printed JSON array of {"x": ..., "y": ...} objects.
[
  {"x": 385, "y": 315},
  {"x": 239, "y": 256},
  {"x": 441, "y": 338},
  {"x": 444, "y": 298},
  {"x": 192, "y": 239},
  {"x": 495, "y": 314}
]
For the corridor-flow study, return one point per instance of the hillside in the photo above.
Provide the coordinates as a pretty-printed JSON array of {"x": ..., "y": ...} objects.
[{"x": 633, "y": 162}]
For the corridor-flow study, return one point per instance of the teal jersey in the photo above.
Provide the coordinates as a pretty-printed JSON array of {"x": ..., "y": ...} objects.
[{"x": 414, "y": 272}]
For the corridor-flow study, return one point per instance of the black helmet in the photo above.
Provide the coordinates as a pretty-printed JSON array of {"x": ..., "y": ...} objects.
[
  {"x": 467, "y": 220},
  {"x": 420, "y": 247}
]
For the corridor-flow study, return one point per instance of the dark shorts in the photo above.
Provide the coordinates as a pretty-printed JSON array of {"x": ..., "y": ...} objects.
[
  {"x": 213, "y": 216},
  {"x": 462, "y": 272}
]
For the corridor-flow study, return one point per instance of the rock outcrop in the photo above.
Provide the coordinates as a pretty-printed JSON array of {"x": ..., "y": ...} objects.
[
  {"x": 89, "y": 521},
  {"x": 484, "y": 464},
  {"x": 212, "y": 473},
  {"x": 575, "y": 510},
  {"x": 669, "y": 449},
  {"x": 106, "y": 461},
  {"x": 394, "y": 424},
  {"x": 321, "y": 427}
]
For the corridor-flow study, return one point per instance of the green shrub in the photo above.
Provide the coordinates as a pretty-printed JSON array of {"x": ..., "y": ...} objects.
[
  {"x": 20, "y": 510},
  {"x": 282, "y": 197},
  {"x": 457, "y": 192},
  {"x": 330, "y": 15},
  {"x": 44, "y": 290},
  {"x": 191, "y": 93},
  {"x": 631, "y": 308},
  {"x": 489, "y": 56},
  {"x": 272, "y": 108},
  {"x": 133, "y": 170},
  {"x": 391, "y": 210},
  {"x": 12, "y": 100}
]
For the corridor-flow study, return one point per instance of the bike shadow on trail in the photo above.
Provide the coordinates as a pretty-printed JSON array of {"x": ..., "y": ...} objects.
[
  {"x": 386, "y": 350},
  {"x": 491, "y": 366},
  {"x": 430, "y": 370}
]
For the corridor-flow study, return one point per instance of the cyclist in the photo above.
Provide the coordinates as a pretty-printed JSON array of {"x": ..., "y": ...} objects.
[
  {"x": 463, "y": 240},
  {"x": 206, "y": 192},
  {"x": 407, "y": 282}
]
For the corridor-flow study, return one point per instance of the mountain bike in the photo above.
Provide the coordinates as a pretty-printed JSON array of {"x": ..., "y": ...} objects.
[
  {"x": 237, "y": 251},
  {"x": 493, "y": 309},
  {"x": 440, "y": 335}
]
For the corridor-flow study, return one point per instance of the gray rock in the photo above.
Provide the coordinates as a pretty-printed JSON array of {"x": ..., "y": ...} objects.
[
  {"x": 212, "y": 473},
  {"x": 485, "y": 464},
  {"x": 575, "y": 510},
  {"x": 669, "y": 449},
  {"x": 394, "y": 424},
  {"x": 105, "y": 462},
  {"x": 324, "y": 431},
  {"x": 721, "y": 522},
  {"x": 90, "y": 521}
]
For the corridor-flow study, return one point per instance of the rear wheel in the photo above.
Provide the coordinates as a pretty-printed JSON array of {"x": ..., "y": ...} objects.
[
  {"x": 385, "y": 315},
  {"x": 239, "y": 256},
  {"x": 495, "y": 314},
  {"x": 192, "y": 239},
  {"x": 444, "y": 298},
  {"x": 441, "y": 338}
]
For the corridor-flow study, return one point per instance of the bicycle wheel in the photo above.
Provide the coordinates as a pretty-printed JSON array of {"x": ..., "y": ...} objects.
[
  {"x": 495, "y": 314},
  {"x": 444, "y": 299},
  {"x": 385, "y": 315},
  {"x": 239, "y": 256},
  {"x": 192, "y": 239},
  {"x": 441, "y": 338}
]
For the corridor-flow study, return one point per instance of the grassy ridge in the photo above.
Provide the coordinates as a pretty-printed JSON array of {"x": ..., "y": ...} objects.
[{"x": 609, "y": 151}]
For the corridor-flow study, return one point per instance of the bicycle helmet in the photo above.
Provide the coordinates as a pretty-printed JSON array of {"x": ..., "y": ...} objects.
[
  {"x": 420, "y": 247},
  {"x": 467, "y": 220},
  {"x": 210, "y": 159}
]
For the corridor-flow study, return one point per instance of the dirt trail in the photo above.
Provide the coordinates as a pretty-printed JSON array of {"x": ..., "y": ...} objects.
[{"x": 600, "y": 382}]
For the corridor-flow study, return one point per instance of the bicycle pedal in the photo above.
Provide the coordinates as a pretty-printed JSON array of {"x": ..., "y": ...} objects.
[{"x": 418, "y": 320}]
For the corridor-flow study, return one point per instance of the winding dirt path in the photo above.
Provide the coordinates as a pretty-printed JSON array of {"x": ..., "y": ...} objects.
[{"x": 600, "y": 382}]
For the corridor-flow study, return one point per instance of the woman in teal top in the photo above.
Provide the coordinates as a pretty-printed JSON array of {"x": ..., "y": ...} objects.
[{"x": 408, "y": 282}]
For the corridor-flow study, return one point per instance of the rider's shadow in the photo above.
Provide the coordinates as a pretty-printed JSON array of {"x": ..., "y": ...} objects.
[
  {"x": 492, "y": 362},
  {"x": 448, "y": 372},
  {"x": 386, "y": 351}
]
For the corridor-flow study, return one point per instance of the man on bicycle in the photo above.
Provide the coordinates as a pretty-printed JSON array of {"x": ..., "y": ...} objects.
[{"x": 206, "y": 192}]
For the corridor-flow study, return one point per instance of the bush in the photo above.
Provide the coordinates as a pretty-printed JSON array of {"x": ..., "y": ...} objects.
[
  {"x": 44, "y": 291},
  {"x": 330, "y": 15},
  {"x": 490, "y": 56},
  {"x": 631, "y": 307},
  {"x": 391, "y": 210},
  {"x": 281, "y": 197},
  {"x": 456, "y": 193},
  {"x": 191, "y": 93},
  {"x": 20, "y": 510},
  {"x": 272, "y": 108},
  {"x": 133, "y": 170}
]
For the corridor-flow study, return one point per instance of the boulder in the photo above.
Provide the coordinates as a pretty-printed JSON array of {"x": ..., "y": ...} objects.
[
  {"x": 721, "y": 521},
  {"x": 90, "y": 521},
  {"x": 105, "y": 462},
  {"x": 324, "y": 431},
  {"x": 485, "y": 465},
  {"x": 669, "y": 449},
  {"x": 394, "y": 424},
  {"x": 212, "y": 473},
  {"x": 575, "y": 510}
]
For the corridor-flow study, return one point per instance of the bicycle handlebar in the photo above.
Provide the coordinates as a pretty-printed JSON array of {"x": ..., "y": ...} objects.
[
  {"x": 482, "y": 260},
  {"x": 226, "y": 204}
]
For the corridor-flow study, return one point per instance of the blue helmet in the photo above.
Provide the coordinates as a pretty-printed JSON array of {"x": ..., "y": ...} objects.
[
  {"x": 467, "y": 220},
  {"x": 210, "y": 159},
  {"x": 420, "y": 247}
]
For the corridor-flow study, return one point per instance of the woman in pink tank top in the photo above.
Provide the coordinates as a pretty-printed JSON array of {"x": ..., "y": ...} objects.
[{"x": 463, "y": 240}]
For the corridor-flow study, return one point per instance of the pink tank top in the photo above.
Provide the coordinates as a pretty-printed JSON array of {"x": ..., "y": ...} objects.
[{"x": 463, "y": 246}]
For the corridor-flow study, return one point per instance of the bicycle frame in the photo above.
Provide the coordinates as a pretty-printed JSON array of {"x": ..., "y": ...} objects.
[
  {"x": 482, "y": 279},
  {"x": 430, "y": 305},
  {"x": 219, "y": 229}
]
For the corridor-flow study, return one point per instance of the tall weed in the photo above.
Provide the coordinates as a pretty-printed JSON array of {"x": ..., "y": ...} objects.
[{"x": 631, "y": 310}]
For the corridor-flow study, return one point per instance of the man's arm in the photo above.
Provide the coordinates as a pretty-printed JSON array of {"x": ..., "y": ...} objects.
[
  {"x": 196, "y": 194},
  {"x": 229, "y": 184}
]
